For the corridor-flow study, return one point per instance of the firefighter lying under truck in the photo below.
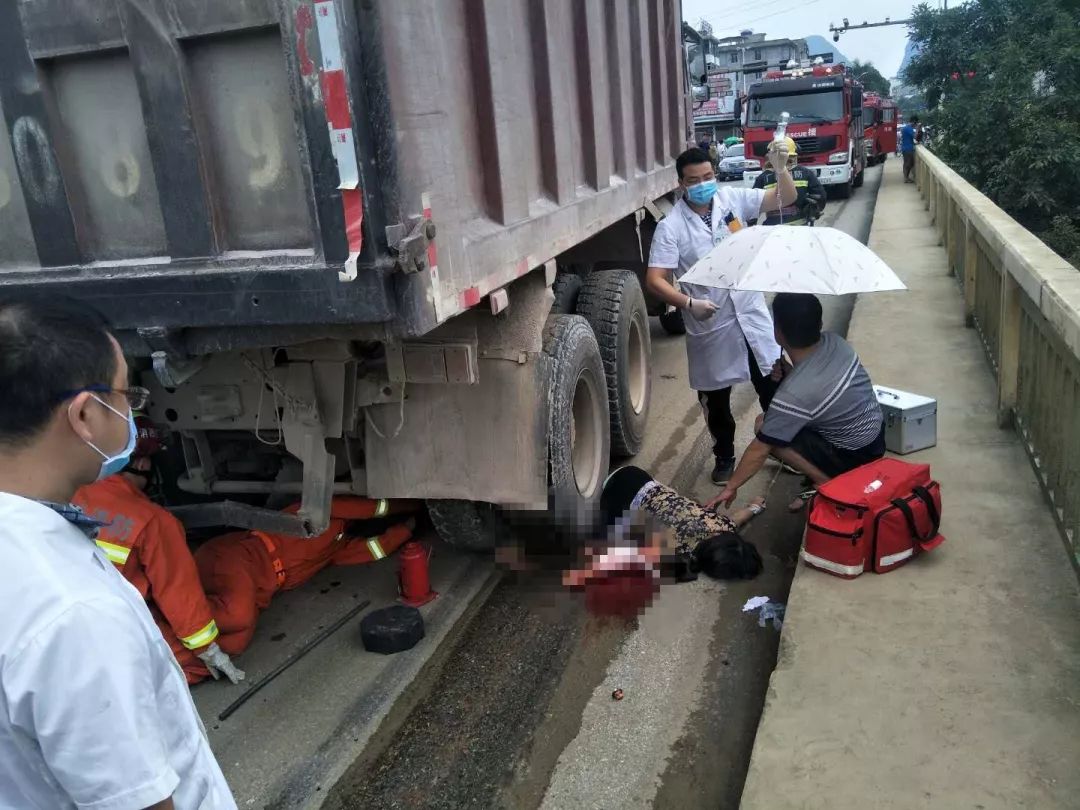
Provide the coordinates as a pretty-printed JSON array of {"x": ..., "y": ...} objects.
[
  {"x": 205, "y": 625},
  {"x": 810, "y": 202},
  {"x": 242, "y": 571},
  {"x": 149, "y": 547}
]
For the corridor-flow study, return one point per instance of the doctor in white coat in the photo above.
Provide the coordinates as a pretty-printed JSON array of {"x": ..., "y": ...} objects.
[{"x": 729, "y": 335}]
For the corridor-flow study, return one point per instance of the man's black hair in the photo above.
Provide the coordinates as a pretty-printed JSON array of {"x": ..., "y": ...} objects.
[
  {"x": 691, "y": 157},
  {"x": 48, "y": 346},
  {"x": 798, "y": 317},
  {"x": 914, "y": 119}
]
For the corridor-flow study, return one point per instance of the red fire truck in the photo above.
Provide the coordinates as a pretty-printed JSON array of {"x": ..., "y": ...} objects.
[
  {"x": 825, "y": 103},
  {"x": 880, "y": 115}
]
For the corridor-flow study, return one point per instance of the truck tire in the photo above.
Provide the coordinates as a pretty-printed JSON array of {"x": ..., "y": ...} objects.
[
  {"x": 468, "y": 525},
  {"x": 844, "y": 191},
  {"x": 673, "y": 323},
  {"x": 579, "y": 441},
  {"x": 858, "y": 181},
  {"x": 614, "y": 306},
  {"x": 566, "y": 289}
]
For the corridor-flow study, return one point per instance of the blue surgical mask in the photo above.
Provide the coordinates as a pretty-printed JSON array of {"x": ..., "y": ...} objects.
[
  {"x": 113, "y": 464},
  {"x": 701, "y": 193}
]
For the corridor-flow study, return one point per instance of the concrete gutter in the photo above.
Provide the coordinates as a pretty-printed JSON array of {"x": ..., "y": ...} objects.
[{"x": 295, "y": 739}]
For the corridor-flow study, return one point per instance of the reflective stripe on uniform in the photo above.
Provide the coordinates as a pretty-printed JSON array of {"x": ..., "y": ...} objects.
[
  {"x": 382, "y": 507},
  {"x": 375, "y": 547},
  {"x": 117, "y": 555},
  {"x": 798, "y": 184},
  {"x": 202, "y": 637}
]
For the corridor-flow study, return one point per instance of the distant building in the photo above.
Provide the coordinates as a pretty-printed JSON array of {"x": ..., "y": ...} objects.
[{"x": 732, "y": 64}]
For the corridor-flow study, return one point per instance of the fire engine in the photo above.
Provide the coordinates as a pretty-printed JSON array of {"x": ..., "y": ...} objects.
[
  {"x": 825, "y": 103},
  {"x": 880, "y": 115}
]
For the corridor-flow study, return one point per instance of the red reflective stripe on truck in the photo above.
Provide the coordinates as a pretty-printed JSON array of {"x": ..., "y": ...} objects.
[
  {"x": 336, "y": 99},
  {"x": 470, "y": 297},
  {"x": 353, "y": 202},
  {"x": 335, "y": 92}
]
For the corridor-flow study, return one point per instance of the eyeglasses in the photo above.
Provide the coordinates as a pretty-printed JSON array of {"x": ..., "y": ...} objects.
[{"x": 137, "y": 396}]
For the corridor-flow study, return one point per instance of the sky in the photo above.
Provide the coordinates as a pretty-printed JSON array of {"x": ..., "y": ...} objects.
[{"x": 799, "y": 18}]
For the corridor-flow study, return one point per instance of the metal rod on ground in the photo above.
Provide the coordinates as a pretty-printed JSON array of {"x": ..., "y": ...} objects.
[{"x": 292, "y": 659}]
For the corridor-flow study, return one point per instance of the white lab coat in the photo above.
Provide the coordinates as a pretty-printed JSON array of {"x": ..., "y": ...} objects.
[
  {"x": 716, "y": 347},
  {"x": 96, "y": 711}
]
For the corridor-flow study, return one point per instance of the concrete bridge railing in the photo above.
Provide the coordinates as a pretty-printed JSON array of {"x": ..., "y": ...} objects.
[{"x": 1024, "y": 300}]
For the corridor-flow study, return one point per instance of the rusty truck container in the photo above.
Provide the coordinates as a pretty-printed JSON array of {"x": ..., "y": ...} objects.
[
  {"x": 226, "y": 180},
  {"x": 195, "y": 165}
]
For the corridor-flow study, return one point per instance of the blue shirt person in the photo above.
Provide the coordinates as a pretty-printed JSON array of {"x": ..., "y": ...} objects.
[{"x": 907, "y": 147}]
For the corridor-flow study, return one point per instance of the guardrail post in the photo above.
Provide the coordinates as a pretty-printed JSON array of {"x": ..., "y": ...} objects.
[
  {"x": 1008, "y": 349},
  {"x": 946, "y": 232},
  {"x": 971, "y": 258}
]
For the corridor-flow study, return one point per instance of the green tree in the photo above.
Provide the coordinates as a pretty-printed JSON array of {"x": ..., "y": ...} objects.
[
  {"x": 871, "y": 77},
  {"x": 1001, "y": 80},
  {"x": 911, "y": 104}
]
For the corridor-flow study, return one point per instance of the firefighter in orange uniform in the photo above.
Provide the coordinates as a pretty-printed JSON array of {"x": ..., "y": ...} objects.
[
  {"x": 241, "y": 571},
  {"x": 148, "y": 545}
]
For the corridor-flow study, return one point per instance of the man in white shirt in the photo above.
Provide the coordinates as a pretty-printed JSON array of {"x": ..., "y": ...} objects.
[
  {"x": 729, "y": 335},
  {"x": 94, "y": 711}
]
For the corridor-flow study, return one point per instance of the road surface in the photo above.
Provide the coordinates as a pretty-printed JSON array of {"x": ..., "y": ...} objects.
[{"x": 519, "y": 712}]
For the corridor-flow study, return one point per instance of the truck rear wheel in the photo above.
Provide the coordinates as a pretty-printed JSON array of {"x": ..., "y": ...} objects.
[
  {"x": 566, "y": 289},
  {"x": 469, "y": 525},
  {"x": 578, "y": 442},
  {"x": 614, "y": 306}
]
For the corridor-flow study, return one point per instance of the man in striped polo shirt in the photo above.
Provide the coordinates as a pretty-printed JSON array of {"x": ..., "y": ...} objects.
[{"x": 824, "y": 419}]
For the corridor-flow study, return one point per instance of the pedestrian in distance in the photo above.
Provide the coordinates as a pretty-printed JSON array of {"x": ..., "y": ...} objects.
[
  {"x": 824, "y": 419},
  {"x": 729, "y": 334},
  {"x": 908, "y": 139},
  {"x": 96, "y": 712}
]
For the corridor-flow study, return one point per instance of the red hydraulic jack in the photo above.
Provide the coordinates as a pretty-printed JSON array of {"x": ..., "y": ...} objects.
[{"x": 414, "y": 585}]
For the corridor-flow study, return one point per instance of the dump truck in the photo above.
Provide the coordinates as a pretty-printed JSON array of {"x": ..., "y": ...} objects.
[{"x": 382, "y": 247}]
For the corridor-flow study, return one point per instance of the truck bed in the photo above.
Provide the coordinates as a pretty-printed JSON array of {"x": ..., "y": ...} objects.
[{"x": 255, "y": 166}]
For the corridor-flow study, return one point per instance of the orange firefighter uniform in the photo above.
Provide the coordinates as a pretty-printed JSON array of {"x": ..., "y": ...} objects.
[
  {"x": 241, "y": 571},
  {"x": 149, "y": 547}
]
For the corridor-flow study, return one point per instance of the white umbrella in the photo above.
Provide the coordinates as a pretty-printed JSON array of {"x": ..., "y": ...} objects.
[{"x": 800, "y": 259}]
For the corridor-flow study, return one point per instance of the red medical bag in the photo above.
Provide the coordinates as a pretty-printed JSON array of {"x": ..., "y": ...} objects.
[{"x": 875, "y": 517}]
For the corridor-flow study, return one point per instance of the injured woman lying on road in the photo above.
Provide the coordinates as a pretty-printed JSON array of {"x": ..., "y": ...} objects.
[{"x": 650, "y": 533}]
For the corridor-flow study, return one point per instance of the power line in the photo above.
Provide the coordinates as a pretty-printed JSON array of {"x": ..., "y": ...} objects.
[
  {"x": 776, "y": 13},
  {"x": 737, "y": 13}
]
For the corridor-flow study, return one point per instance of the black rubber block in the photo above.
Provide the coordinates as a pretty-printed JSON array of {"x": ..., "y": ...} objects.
[{"x": 392, "y": 629}]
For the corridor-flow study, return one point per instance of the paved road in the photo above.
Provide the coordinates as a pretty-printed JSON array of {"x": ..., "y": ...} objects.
[{"x": 519, "y": 712}]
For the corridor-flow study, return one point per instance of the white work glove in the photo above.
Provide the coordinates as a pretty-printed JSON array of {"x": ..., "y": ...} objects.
[
  {"x": 219, "y": 663},
  {"x": 700, "y": 308}
]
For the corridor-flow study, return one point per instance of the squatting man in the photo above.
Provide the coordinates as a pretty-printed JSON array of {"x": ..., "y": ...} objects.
[{"x": 729, "y": 334}]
